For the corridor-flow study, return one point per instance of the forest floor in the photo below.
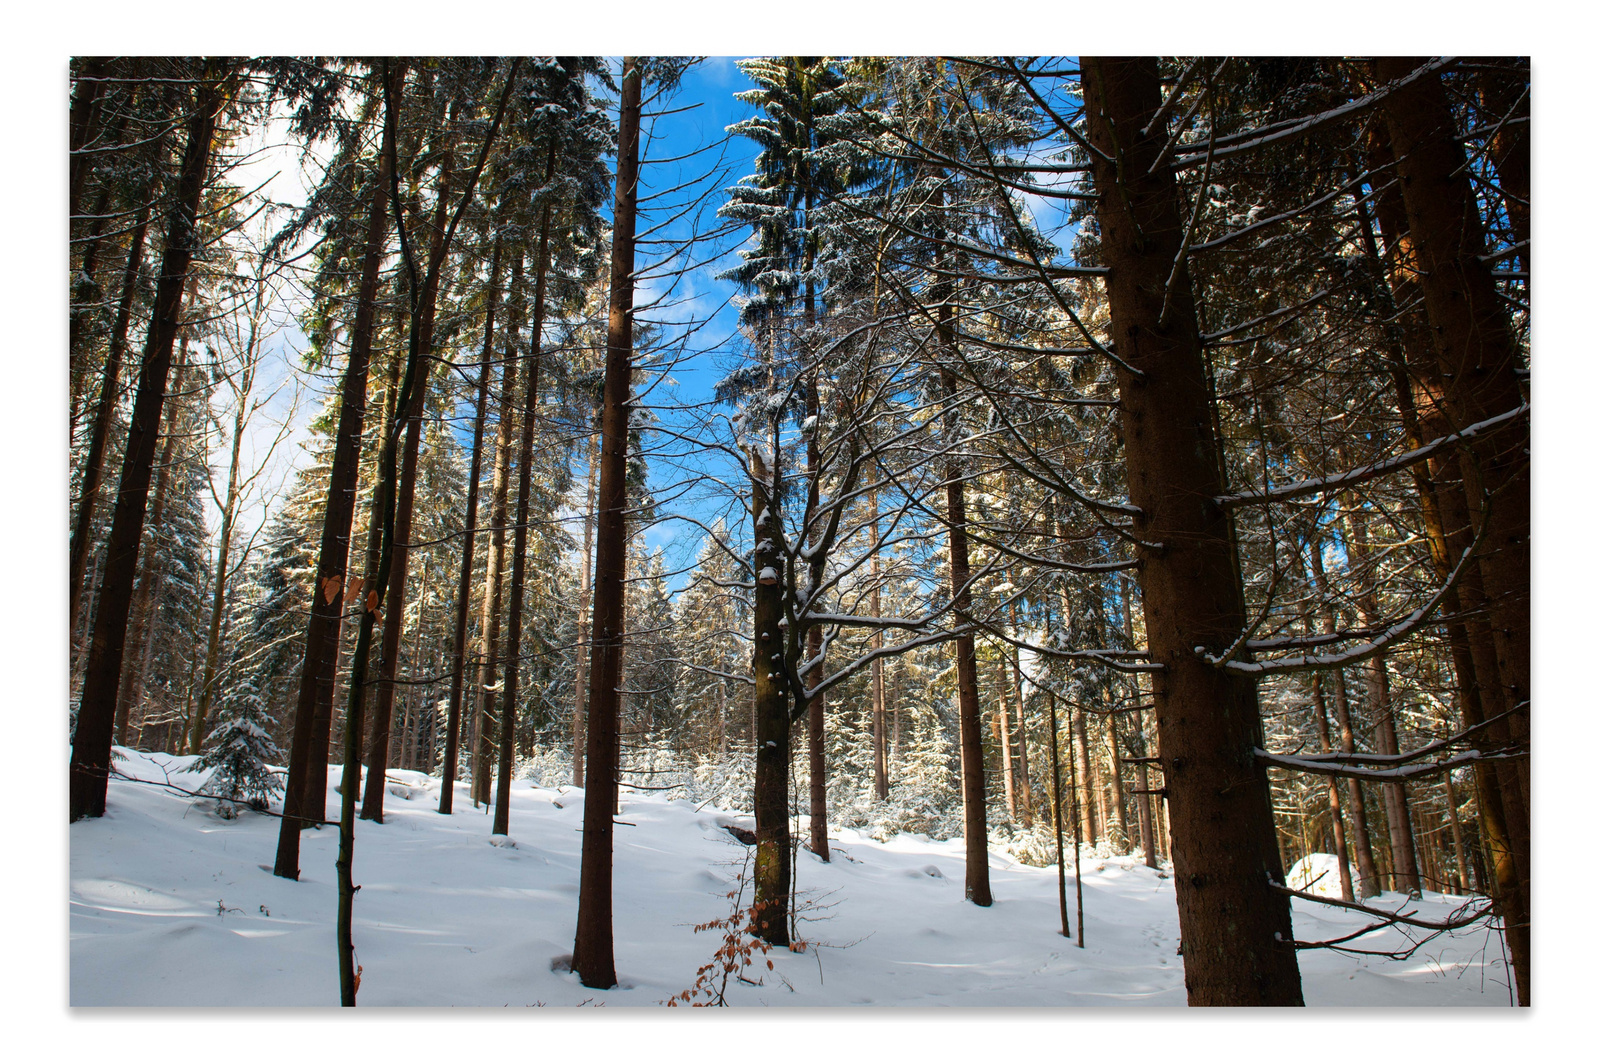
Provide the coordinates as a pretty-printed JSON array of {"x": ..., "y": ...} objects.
[{"x": 171, "y": 905}]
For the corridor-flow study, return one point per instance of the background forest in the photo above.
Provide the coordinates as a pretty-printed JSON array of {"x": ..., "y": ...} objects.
[{"x": 1129, "y": 456}]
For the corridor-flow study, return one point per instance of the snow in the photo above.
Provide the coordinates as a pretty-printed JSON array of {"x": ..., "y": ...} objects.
[
  {"x": 170, "y": 905},
  {"x": 1316, "y": 873}
]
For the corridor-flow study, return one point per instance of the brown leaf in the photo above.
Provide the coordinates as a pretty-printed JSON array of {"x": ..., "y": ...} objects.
[
  {"x": 353, "y": 588},
  {"x": 330, "y": 589},
  {"x": 372, "y": 601}
]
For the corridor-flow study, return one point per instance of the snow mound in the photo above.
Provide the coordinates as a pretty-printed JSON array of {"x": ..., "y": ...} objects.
[{"x": 1316, "y": 873}]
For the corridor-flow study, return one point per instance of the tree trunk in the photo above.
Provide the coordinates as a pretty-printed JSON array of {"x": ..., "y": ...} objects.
[
  {"x": 305, "y": 792},
  {"x": 770, "y": 910},
  {"x": 147, "y": 592},
  {"x": 1237, "y": 935},
  {"x": 580, "y": 693},
  {"x": 458, "y": 645},
  {"x": 519, "y": 550},
  {"x": 489, "y": 649},
  {"x": 880, "y": 759},
  {"x": 1479, "y": 362},
  {"x": 91, "y": 745},
  {"x": 105, "y": 412},
  {"x": 421, "y": 344},
  {"x": 1085, "y": 776},
  {"x": 592, "y": 953},
  {"x": 1319, "y": 715},
  {"x": 1002, "y": 730}
]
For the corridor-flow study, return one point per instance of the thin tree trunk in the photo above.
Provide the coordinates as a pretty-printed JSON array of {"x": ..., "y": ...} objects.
[
  {"x": 421, "y": 342},
  {"x": 1055, "y": 818},
  {"x": 91, "y": 745},
  {"x": 105, "y": 412},
  {"x": 147, "y": 592},
  {"x": 580, "y": 694},
  {"x": 592, "y": 953},
  {"x": 458, "y": 644},
  {"x": 770, "y": 910},
  {"x": 1002, "y": 730},
  {"x": 1478, "y": 362},
  {"x": 230, "y": 513},
  {"x": 489, "y": 623},
  {"x": 1084, "y": 774},
  {"x": 1236, "y": 926},
  {"x": 519, "y": 550},
  {"x": 1319, "y": 715},
  {"x": 305, "y": 792}
]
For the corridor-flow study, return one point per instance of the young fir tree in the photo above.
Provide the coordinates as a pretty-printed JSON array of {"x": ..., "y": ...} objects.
[{"x": 239, "y": 751}]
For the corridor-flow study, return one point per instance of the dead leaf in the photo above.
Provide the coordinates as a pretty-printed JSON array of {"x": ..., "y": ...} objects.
[
  {"x": 353, "y": 588},
  {"x": 330, "y": 589},
  {"x": 372, "y": 601}
]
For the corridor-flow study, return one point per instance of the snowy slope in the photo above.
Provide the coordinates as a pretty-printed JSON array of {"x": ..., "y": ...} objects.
[{"x": 173, "y": 906}]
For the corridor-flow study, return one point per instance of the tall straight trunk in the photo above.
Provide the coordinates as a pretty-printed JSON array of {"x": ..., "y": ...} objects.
[
  {"x": 974, "y": 796},
  {"x": 1479, "y": 361},
  {"x": 1463, "y": 880},
  {"x": 230, "y": 514},
  {"x": 1236, "y": 928},
  {"x": 1147, "y": 840},
  {"x": 1084, "y": 772},
  {"x": 1434, "y": 249},
  {"x": 1367, "y": 883},
  {"x": 880, "y": 759},
  {"x": 147, "y": 592},
  {"x": 770, "y": 909},
  {"x": 83, "y": 123},
  {"x": 1319, "y": 715},
  {"x": 1055, "y": 817},
  {"x": 91, "y": 743},
  {"x": 458, "y": 644},
  {"x": 84, "y": 289},
  {"x": 1024, "y": 780},
  {"x": 421, "y": 343},
  {"x": 489, "y": 650},
  {"x": 519, "y": 550},
  {"x": 1402, "y": 846},
  {"x": 383, "y": 511},
  {"x": 1118, "y": 796},
  {"x": 580, "y": 693},
  {"x": 308, "y": 757},
  {"x": 1002, "y": 730},
  {"x": 105, "y": 412},
  {"x": 592, "y": 953}
]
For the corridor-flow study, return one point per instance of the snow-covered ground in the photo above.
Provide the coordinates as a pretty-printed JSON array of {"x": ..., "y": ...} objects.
[{"x": 171, "y": 905}]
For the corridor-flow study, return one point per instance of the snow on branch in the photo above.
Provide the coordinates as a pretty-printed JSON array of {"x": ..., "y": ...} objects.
[
  {"x": 1400, "y": 774},
  {"x": 1362, "y": 473},
  {"x": 1251, "y": 139},
  {"x": 1392, "y": 635}
]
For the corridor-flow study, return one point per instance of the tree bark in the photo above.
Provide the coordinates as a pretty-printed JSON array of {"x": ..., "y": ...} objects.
[
  {"x": 580, "y": 694},
  {"x": 308, "y": 745},
  {"x": 421, "y": 343},
  {"x": 592, "y": 953},
  {"x": 1237, "y": 935},
  {"x": 147, "y": 592},
  {"x": 458, "y": 644},
  {"x": 105, "y": 412},
  {"x": 519, "y": 550},
  {"x": 91, "y": 745},
  {"x": 489, "y": 649},
  {"x": 770, "y": 910}
]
